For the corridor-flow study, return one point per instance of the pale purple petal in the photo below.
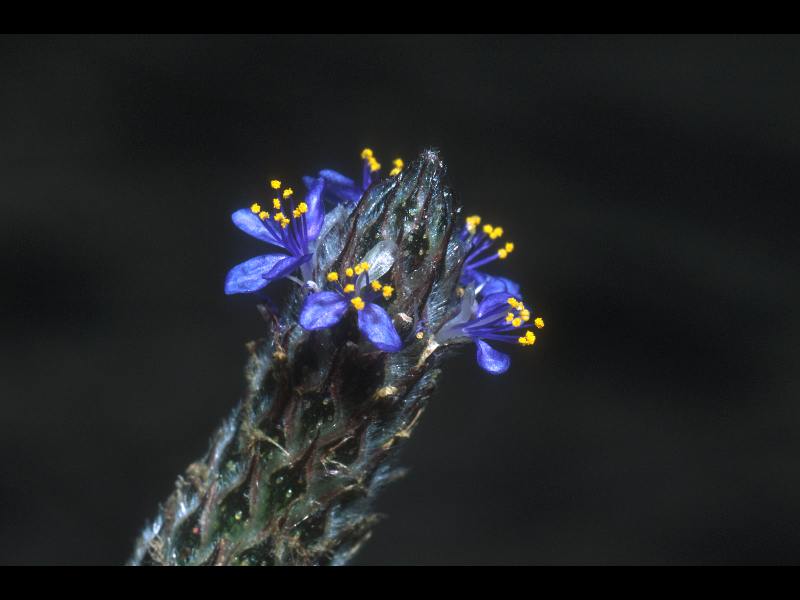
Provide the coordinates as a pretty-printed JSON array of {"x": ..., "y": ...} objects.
[
  {"x": 249, "y": 222},
  {"x": 376, "y": 324},
  {"x": 316, "y": 213},
  {"x": 493, "y": 303},
  {"x": 322, "y": 310},
  {"x": 491, "y": 360},
  {"x": 494, "y": 285},
  {"x": 249, "y": 276}
]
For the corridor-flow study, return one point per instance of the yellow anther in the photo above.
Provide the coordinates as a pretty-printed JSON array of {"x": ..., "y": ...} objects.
[
  {"x": 516, "y": 322},
  {"x": 374, "y": 165},
  {"x": 333, "y": 276},
  {"x": 255, "y": 208},
  {"x": 473, "y": 222},
  {"x": 279, "y": 216},
  {"x": 302, "y": 207},
  {"x": 284, "y": 223},
  {"x": 287, "y": 192},
  {"x": 296, "y": 213},
  {"x": 525, "y": 314},
  {"x": 275, "y": 184},
  {"x": 366, "y": 153},
  {"x": 349, "y": 288},
  {"x": 514, "y": 302},
  {"x": 539, "y": 322},
  {"x": 509, "y": 317},
  {"x": 528, "y": 339},
  {"x": 496, "y": 233},
  {"x": 388, "y": 291},
  {"x": 365, "y": 265},
  {"x": 358, "y": 269},
  {"x": 509, "y": 247},
  {"x": 502, "y": 253},
  {"x": 358, "y": 303},
  {"x": 263, "y": 215},
  {"x": 487, "y": 229},
  {"x": 276, "y": 204},
  {"x": 419, "y": 335},
  {"x": 349, "y": 272},
  {"x": 376, "y": 285},
  {"x": 398, "y": 166}
]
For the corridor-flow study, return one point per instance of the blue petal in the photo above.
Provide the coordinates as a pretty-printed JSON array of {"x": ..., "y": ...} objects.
[
  {"x": 248, "y": 222},
  {"x": 491, "y": 360},
  {"x": 316, "y": 213},
  {"x": 322, "y": 310},
  {"x": 286, "y": 266},
  {"x": 492, "y": 303},
  {"x": 343, "y": 188},
  {"x": 495, "y": 285},
  {"x": 377, "y": 325},
  {"x": 249, "y": 276}
]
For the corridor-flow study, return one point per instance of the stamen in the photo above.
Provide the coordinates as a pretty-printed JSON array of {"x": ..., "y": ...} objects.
[
  {"x": 287, "y": 192},
  {"x": 539, "y": 322},
  {"x": 358, "y": 303},
  {"x": 398, "y": 166},
  {"x": 333, "y": 276},
  {"x": 349, "y": 288},
  {"x": 419, "y": 335},
  {"x": 366, "y": 153},
  {"x": 502, "y": 254},
  {"x": 514, "y": 302},
  {"x": 528, "y": 339},
  {"x": 473, "y": 222},
  {"x": 303, "y": 208},
  {"x": 509, "y": 247},
  {"x": 276, "y": 204},
  {"x": 516, "y": 322},
  {"x": 349, "y": 272},
  {"x": 275, "y": 184},
  {"x": 509, "y": 317},
  {"x": 279, "y": 216},
  {"x": 263, "y": 215},
  {"x": 496, "y": 233},
  {"x": 487, "y": 229},
  {"x": 387, "y": 291},
  {"x": 255, "y": 208},
  {"x": 376, "y": 285}
]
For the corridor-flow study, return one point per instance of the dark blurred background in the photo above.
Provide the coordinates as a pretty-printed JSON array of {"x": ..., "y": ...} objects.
[{"x": 650, "y": 185}]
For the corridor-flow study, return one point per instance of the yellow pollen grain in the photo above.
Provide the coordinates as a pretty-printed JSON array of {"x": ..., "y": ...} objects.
[
  {"x": 358, "y": 303},
  {"x": 276, "y": 204},
  {"x": 502, "y": 253},
  {"x": 509, "y": 247},
  {"x": 263, "y": 215},
  {"x": 496, "y": 233},
  {"x": 333, "y": 276},
  {"x": 387, "y": 291},
  {"x": 296, "y": 213},
  {"x": 398, "y": 166},
  {"x": 284, "y": 223},
  {"x": 539, "y": 322},
  {"x": 349, "y": 288},
  {"x": 376, "y": 285},
  {"x": 302, "y": 207},
  {"x": 279, "y": 216},
  {"x": 366, "y": 153},
  {"x": 275, "y": 184},
  {"x": 374, "y": 165},
  {"x": 516, "y": 322},
  {"x": 255, "y": 208},
  {"x": 514, "y": 302},
  {"x": 419, "y": 335},
  {"x": 509, "y": 317},
  {"x": 349, "y": 272},
  {"x": 287, "y": 192},
  {"x": 487, "y": 229}
]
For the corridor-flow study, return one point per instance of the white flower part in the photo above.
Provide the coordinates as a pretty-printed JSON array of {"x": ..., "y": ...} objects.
[
  {"x": 312, "y": 285},
  {"x": 380, "y": 259},
  {"x": 405, "y": 317}
]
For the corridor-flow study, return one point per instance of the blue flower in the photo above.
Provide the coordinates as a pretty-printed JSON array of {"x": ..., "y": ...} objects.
[
  {"x": 497, "y": 317},
  {"x": 324, "y": 309},
  {"x": 340, "y": 189},
  {"x": 481, "y": 250},
  {"x": 294, "y": 231}
]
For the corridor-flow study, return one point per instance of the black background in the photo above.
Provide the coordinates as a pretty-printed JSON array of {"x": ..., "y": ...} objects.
[{"x": 650, "y": 185}]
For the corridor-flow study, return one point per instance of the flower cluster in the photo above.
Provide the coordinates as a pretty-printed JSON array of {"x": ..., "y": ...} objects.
[
  {"x": 353, "y": 289},
  {"x": 491, "y": 307}
]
